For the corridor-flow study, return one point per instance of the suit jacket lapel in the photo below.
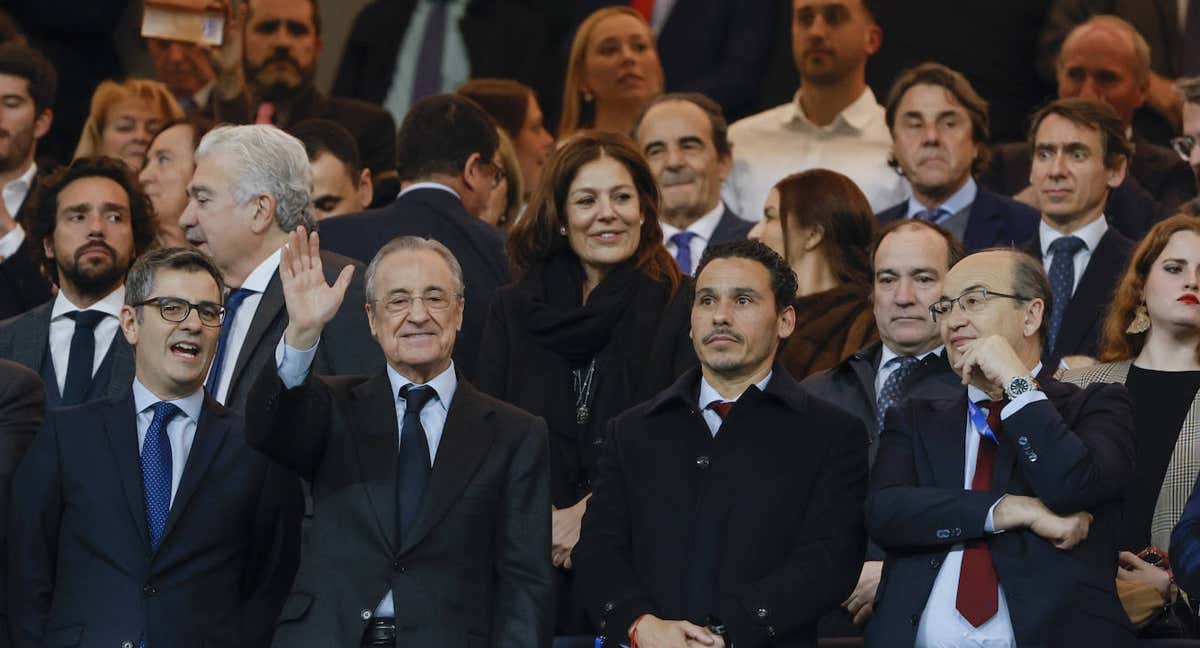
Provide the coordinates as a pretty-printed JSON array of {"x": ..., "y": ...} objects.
[
  {"x": 269, "y": 308},
  {"x": 984, "y": 223},
  {"x": 466, "y": 439},
  {"x": 120, "y": 424},
  {"x": 210, "y": 435},
  {"x": 946, "y": 443},
  {"x": 31, "y": 339},
  {"x": 123, "y": 366},
  {"x": 378, "y": 435}
]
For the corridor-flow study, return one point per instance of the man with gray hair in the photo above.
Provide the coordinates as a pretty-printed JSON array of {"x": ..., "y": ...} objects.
[{"x": 251, "y": 187}]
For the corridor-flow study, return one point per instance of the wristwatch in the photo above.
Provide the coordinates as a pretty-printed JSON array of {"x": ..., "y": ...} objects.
[{"x": 1019, "y": 385}]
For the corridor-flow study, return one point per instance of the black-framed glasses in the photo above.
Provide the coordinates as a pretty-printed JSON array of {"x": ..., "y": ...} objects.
[
  {"x": 498, "y": 175},
  {"x": 1183, "y": 145},
  {"x": 174, "y": 309},
  {"x": 435, "y": 301},
  {"x": 972, "y": 301}
]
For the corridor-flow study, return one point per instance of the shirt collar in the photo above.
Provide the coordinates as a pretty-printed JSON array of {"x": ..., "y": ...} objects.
[
  {"x": 191, "y": 405},
  {"x": 443, "y": 384},
  {"x": 962, "y": 199},
  {"x": 857, "y": 115},
  {"x": 708, "y": 394},
  {"x": 109, "y": 305},
  {"x": 258, "y": 279},
  {"x": 1090, "y": 233},
  {"x": 887, "y": 355},
  {"x": 702, "y": 228},
  {"x": 976, "y": 394},
  {"x": 427, "y": 185},
  {"x": 23, "y": 181}
]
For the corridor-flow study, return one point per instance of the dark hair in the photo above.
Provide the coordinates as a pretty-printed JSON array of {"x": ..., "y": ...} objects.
[
  {"x": 535, "y": 237},
  {"x": 783, "y": 279},
  {"x": 1092, "y": 115},
  {"x": 9, "y": 31},
  {"x": 831, "y": 201},
  {"x": 325, "y": 136},
  {"x": 43, "y": 217},
  {"x": 316, "y": 14},
  {"x": 712, "y": 109},
  {"x": 507, "y": 101},
  {"x": 20, "y": 60},
  {"x": 140, "y": 282},
  {"x": 954, "y": 248},
  {"x": 199, "y": 124},
  {"x": 440, "y": 133},
  {"x": 956, "y": 84}
]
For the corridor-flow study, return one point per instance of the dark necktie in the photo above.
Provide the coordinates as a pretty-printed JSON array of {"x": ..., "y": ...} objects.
[
  {"x": 1062, "y": 282},
  {"x": 156, "y": 471},
  {"x": 683, "y": 250},
  {"x": 412, "y": 461},
  {"x": 231, "y": 305},
  {"x": 81, "y": 361},
  {"x": 893, "y": 388},
  {"x": 1189, "y": 63},
  {"x": 978, "y": 594},
  {"x": 931, "y": 215},
  {"x": 428, "y": 78},
  {"x": 721, "y": 407}
]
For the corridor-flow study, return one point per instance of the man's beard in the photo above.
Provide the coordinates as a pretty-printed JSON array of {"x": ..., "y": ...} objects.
[
  {"x": 274, "y": 85},
  {"x": 17, "y": 152},
  {"x": 95, "y": 280}
]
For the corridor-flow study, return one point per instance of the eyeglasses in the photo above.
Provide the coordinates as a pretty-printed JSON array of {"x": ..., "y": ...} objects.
[
  {"x": 1183, "y": 145},
  {"x": 174, "y": 309},
  {"x": 972, "y": 301},
  {"x": 401, "y": 304},
  {"x": 498, "y": 175}
]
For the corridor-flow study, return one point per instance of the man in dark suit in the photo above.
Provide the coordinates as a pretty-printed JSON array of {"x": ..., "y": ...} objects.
[
  {"x": 22, "y": 407},
  {"x": 250, "y": 188},
  {"x": 940, "y": 129},
  {"x": 910, "y": 258},
  {"x": 447, "y": 145},
  {"x": 999, "y": 507},
  {"x": 685, "y": 139},
  {"x": 92, "y": 221},
  {"x": 30, "y": 80},
  {"x": 450, "y": 556},
  {"x": 145, "y": 519},
  {"x": 1080, "y": 154},
  {"x": 731, "y": 566}
]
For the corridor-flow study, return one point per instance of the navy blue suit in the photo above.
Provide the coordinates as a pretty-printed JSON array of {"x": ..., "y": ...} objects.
[
  {"x": 730, "y": 228},
  {"x": 1074, "y": 451},
  {"x": 81, "y": 571},
  {"x": 994, "y": 220}
]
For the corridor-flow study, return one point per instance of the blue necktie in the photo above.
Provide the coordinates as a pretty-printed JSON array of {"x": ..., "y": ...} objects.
[
  {"x": 893, "y": 388},
  {"x": 412, "y": 461},
  {"x": 231, "y": 305},
  {"x": 683, "y": 250},
  {"x": 156, "y": 471},
  {"x": 931, "y": 215},
  {"x": 1062, "y": 281},
  {"x": 428, "y": 78},
  {"x": 81, "y": 361}
]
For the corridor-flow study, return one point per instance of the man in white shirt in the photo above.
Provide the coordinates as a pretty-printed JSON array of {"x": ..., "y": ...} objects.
[
  {"x": 685, "y": 139},
  {"x": 833, "y": 123},
  {"x": 91, "y": 223}
]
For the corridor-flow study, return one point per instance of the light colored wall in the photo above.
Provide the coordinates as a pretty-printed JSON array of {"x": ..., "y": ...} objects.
[{"x": 337, "y": 16}]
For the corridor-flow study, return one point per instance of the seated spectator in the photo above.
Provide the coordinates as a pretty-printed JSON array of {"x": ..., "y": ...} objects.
[
  {"x": 505, "y": 203},
  {"x": 612, "y": 73},
  {"x": 714, "y": 539},
  {"x": 684, "y": 138},
  {"x": 999, "y": 508},
  {"x": 1151, "y": 344},
  {"x": 940, "y": 127},
  {"x": 124, "y": 117},
  {"x": 1186, "y": 144},
  {"x": 822, "y": 225},
  {"x": 170, "y": 162},
  {"x": 186, "y": 69},
  {"x": 341, "y": 184},
  {"x": 515, "y": 108},
  {"x": 596, "y": 296}
]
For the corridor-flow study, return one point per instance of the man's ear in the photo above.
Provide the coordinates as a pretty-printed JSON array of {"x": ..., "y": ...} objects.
[
  {"x": 1116, "y": 175},
  {"x": 787, "y": 321},
  {"x": 264, "y": 213},
  {"x": 42, "y": 124},
  {"x": 1034, "y": 312},
  {"x": 129, "y": 324},
  {"x": 365, "y": 189},
  {"x": 470, "y": 172}
]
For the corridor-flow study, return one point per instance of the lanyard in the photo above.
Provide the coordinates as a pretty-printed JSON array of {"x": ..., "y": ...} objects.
[{"x": 979, "y": 420}]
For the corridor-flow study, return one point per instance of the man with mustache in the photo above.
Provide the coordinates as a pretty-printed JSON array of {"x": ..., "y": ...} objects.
[
  {"x": 940, "y": 129},
  {"x": 684, "y": 138},
  {"x": 685, "y": 542},
  {"x": 834, "y": 122},
  {"x": 92, "y": 220}
]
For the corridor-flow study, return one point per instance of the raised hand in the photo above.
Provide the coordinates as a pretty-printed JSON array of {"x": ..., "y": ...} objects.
[
  {"x": 311, "y": 303},
  {"x": 227, "y": 59}
]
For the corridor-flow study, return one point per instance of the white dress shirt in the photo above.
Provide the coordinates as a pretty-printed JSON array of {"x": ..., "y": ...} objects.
[
  {"x": 257, "y": 281},
  {"x": 708, "y": 394},
  {"x": 884, "y": 369},
  {"x": 1091, "y": 235},
  {"x": 942, "y": 625},
  {"x": 293, "y": 365},
  {"x": 428, "y": 185},
  {"x": 181, "y": 429},
  {"x": 456, "y": 64},
  {"x": 62, "y": 329},
  {"x": 703, "y": 229},
  {"x": 771, "y": 145},
  {"x": 14, "y": 194}
]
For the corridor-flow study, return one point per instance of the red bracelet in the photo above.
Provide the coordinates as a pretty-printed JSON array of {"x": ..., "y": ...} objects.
[{"x": 633, "y": 631}]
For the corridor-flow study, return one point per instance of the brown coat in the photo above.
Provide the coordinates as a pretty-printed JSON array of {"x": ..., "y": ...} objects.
[{"x": 830, "y": 326}]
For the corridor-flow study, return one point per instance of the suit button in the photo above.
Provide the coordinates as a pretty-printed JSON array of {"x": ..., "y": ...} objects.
[
  {"x": 1032, "y": 457},
  {"x": 762, "y": 613},
  {"x": 1022, "y": 441},
  {"x": 149, "y": 590},
  {"x": 957, "y": 532},
  {"x": 126, "y": 644},
  {"x": 935, "y": 563},
  {"x": 914, "y": 619},
  {"x": 602, "y": 623},
  {"x": 396, "y": 564},
  {"x": 942, "y": 534},
  {"x": 770, "y": 631},
  {"x": 609, "y": 607},
  {"x": 598, "y": 442},
  {"x": 365, "y": 615},
  {"x": 702, "y": 462}
]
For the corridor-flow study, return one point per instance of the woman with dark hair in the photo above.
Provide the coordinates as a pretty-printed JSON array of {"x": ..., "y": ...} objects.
[
  {"x": 597, "y": 321},
  {"x": 821, "y": 222},
  {"x": 515, "y": 108}
]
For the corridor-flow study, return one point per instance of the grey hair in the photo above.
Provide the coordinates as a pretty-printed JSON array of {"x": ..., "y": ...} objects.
[
  {"x": 269, "y": 161},
  {"x": 139, "y": 284},
  {"x": 1141, "y": 48},
  {"x": 413, "y": 244}
]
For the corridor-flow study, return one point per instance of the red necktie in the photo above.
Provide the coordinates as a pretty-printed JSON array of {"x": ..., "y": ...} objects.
[
  {"x": 265, "y": 113},
  {"x": 978, "y": 594},
  {"x": 644, "y": 7},
  {"x": 721, "y": 408}
]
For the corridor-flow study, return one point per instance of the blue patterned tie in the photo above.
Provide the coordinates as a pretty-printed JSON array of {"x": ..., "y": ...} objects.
[
  {"x": 82, "y": 357},
  {"x": 1062, "y": 281},
  {"x": 231, "y": 305},
  {"x": 931, "y": 215},
  {"x": 683, "y": 250},
  {"x": 156, "y": 471},
  {"x": 412, "y": 462},
  {"x": 893, "y": 388}
]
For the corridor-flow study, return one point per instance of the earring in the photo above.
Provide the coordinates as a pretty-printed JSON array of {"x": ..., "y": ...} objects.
[
  {"x": 1141, "y": 321},
  {"x": 587, "y": 97},
  {"x": 562, "y": 230}
]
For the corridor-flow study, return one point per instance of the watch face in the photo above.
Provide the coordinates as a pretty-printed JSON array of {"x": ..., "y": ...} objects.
[{"x": 1018, "y": 386}]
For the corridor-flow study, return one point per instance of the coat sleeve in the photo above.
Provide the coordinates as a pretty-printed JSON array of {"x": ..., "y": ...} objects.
[
  {"x": 290, "y": 426},
  {"x": 22, "y": 407},
  {"x": 275, "y": 551},
  {"x": 1185, "y": 545},
  {"x": 22, "y": 285},
  {"x": 34, "y": 520},
  {"x": 522, "y": 615}
]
